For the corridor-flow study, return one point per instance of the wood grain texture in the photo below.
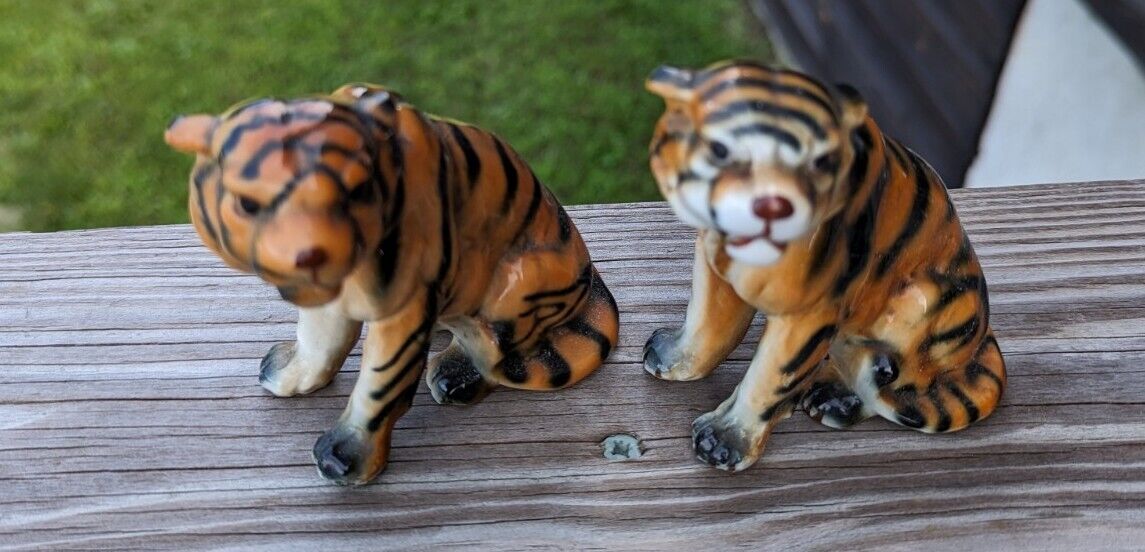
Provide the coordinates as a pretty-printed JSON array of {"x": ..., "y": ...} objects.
[{"x": 131, "y": 416}]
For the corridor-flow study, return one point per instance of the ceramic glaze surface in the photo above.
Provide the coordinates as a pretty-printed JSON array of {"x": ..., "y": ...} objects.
[
  {"x": 359, "y": 208},
  {"x": 846, "y": 241}
]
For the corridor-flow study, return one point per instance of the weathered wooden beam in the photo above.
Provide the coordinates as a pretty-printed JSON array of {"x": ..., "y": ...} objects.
[{"x": 131, "y": 416}]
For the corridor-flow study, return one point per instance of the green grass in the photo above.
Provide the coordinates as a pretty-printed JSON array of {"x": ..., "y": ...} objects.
[{"x": 87, "y": 87}]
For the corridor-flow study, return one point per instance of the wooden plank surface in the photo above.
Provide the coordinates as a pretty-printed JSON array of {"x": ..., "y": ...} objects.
[{"x": 131, "y": 416}]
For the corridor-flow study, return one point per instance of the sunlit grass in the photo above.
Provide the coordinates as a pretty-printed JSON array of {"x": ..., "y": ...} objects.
[{"x": 88, "y": 86}]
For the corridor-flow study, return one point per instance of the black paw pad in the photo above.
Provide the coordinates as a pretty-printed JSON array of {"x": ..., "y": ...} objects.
[
  {"x": 276, "y": 359},
  {"x": 909, "y": 416},
  {"x": 658, "y": 351},
  {"x": 338, "y": 455},
  {"x": 884, "y": 369},
  {"x": 713, "y": 448},
  {"x": 833, "y": 404},
  {"x": 457, "y": 381}
]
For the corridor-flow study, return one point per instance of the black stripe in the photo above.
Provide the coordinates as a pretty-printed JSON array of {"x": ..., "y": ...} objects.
[
  {"x": 224, "y": 232},
  {"x": 862, "y": 234},
  {"x": 809, "y": 348},
  {"x": 257, "y": 122},
  {"x": 964, "y": 252},
  {"x": 251, "y": 169},
  {"x": 288, "y": 188},
  {"x": 796, "y": 381},
  {"x": 583, "y": 280},
  {"x": 975, "y": 370},
  {"x": 503, "y": 332},
  {"x": 964, "y": 332},
  {"x": 330, "y": 173},
  {"x": 774, "y": 410},
  {"x": 513, "y": 367},
  {"x": 663, "y": 140},
  {"x": 423, "y": 330},
  {"x": 538, "y": 321},
  {"x": 534, "y": 204},
  {"x": 389, "y": 250},
  {"x": 511, "y": 177},
  {"x": 914, "y": 221},
  {"x": 360, "y": 155},
  {"x": 825, "y": 245},
  {"x": 984, "y": 297},
  {"x": 971, "y": 408},
  {"x": 558, "y": 306},
  {"x": 771, "y": 86},
  {"x": 582, "y": 328},
  {"x": 199, "y": 179},
  {"x": 944, "y": 420},
  {"x": 861, "y": 143},
  {"x": 955, "y": 287},
  {"x": 418, "y": 359},
  {"x": 770, "y": 130},
  {"x": 559, "y": 370},
  {"x": 564, "y": 225},
  {"x": 601, "y": 292},
  {"x": 472, "y": 162},
  {"x": 908, "y": 413},
  {"x": 446, "y": 215},
  {"x": 404, "y": 399},
  {"x": 949, "y": 202},
  {"x": 897, "y": 151},
  {"x": 731, "y": 109},
  {"x": 416, "y": 337}
]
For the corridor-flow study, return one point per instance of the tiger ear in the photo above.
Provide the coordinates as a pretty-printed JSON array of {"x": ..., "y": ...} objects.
[
  {"x": 191, "y": 133},
  {"x": 671, "y": 83},
  {"x": 852, "y": 106},
  {"x": 370, "y": 99}
]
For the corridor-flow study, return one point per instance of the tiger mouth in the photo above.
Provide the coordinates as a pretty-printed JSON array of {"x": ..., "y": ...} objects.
[{"x": 741, "y": 241}]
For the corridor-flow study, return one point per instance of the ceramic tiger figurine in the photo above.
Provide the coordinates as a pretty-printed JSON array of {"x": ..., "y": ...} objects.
[
  {"x": 847, "y": 241},
  {"x": 359, "y": 208}
]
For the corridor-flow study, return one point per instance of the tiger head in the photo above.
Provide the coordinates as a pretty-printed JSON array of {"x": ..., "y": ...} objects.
[
  {"x": 759, "y": 155},
  {"x": 292, "y": 191}
]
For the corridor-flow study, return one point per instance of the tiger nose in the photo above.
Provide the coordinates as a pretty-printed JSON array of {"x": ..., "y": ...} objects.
[
  {"x": 311, "y": 258},
  {"x": 772, "y": 207}
]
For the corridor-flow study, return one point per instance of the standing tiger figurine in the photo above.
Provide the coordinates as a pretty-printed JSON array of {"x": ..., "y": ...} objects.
[
  {"x": 359, "y": 208},
  {"x": 845, "y": 240}
]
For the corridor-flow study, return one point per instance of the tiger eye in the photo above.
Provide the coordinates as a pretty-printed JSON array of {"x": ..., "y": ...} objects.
[
  {"x": 719, "y": 151},
  {"x": 249, "y": 206},
  {"x": 827, "y": 163}
]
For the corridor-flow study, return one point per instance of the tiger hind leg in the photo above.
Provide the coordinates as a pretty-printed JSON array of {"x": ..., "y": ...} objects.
[
  {"x": 947, "y": 401},
  {"x": 831, "y": 402},
  {"x": 453, "y": 377},
  {"x": 568, "y": 352}
]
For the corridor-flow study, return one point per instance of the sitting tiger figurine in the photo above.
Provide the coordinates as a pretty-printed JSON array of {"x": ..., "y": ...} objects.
[
  {"x": 359, "y": 208},
  {"x": 847, "y": 241}
]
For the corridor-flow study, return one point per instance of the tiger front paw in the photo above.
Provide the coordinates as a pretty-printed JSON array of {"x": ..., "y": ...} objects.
[
  {"x": 346, "y": 455},
  {"x": 664, "y": 358},
  {"x": 722, "y": 444},
  {"x": 285, "y": 375}
]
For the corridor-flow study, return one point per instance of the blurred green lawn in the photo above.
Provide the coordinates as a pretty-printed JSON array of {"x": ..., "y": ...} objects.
[{"x": 87, "y": 87}]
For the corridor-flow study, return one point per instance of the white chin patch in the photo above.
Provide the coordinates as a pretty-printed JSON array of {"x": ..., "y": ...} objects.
[{"x": 757, "y": 252}]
